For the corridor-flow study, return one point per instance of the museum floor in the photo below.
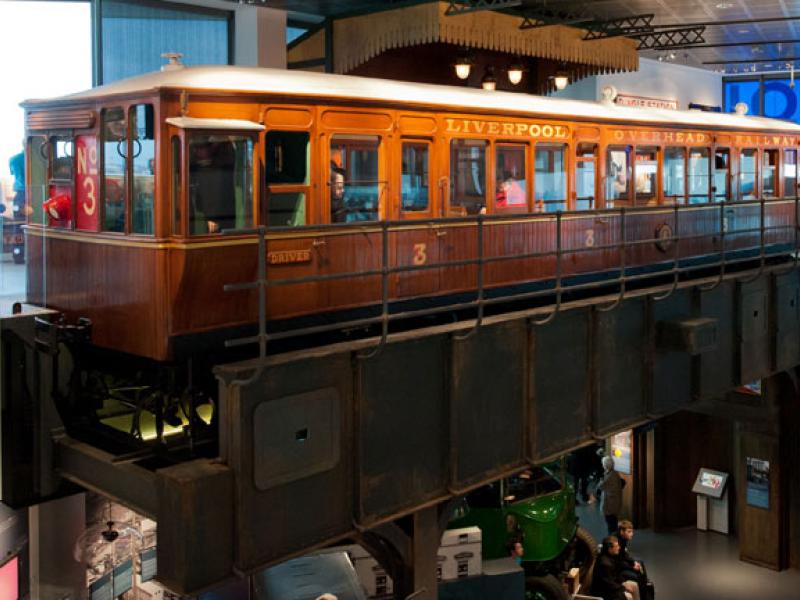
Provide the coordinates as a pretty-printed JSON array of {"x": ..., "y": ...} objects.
[{"x": 694, "y": 565}]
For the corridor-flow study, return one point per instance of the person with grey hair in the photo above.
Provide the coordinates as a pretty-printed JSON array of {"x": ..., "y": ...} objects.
[
  {"x": 326, "y": 597},
  {"x": 611, "y": 485}
]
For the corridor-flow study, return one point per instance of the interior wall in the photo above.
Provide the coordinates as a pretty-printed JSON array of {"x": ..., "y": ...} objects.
[
  {"x": 684, "y": 442},
  {"x": 655, "y": 79},
  {"x": 259, "y": 33}
]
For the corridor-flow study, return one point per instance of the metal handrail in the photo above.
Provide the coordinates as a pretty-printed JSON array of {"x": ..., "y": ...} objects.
[{"x": 481, "y": 261}]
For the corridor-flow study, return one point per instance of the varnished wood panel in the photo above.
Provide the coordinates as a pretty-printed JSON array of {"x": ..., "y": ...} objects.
[{"x": 761, "y": 530}]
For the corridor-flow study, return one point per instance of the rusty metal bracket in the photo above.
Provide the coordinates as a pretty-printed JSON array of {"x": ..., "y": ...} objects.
[
  {"x": 480, "y": 299},
  {"x": 761, "y": 252},
  {"x": 460, "y": 7},
  {"x": 384, "y": 295},
  {"x": 622, "y": 261},
  {"x": 675, "y": 238},
  {"x": 722, "y": 262},
  {"x": 552, "y": 314}
]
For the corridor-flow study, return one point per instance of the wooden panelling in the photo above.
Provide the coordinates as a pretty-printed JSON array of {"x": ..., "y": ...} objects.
[
  {"x": 287, "y": 117},
  {"x": 761, "y": 529},
  {"x": 356, "y": 121},
  {"x": 417, "y": 125}
]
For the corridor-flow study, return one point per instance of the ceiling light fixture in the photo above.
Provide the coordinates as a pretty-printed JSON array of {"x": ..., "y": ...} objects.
[
  {"x": 463, "y": 65},
  {"x": 515, "y": 72},
  {"x": 489, "y": 81},
  {"x": 724, "y": 5},
  {"x": 561, "y": 79}
]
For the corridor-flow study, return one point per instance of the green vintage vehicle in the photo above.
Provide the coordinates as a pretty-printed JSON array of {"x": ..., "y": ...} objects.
[{"x": 536, "y": 507}]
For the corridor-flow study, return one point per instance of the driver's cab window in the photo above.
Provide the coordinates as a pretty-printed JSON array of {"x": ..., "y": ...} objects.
[
  {"x": 288, "y": 159},
  {"x": 220, "y": 182}
]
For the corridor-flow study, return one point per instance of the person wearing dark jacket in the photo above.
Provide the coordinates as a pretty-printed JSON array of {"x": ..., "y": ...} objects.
[
  {"x": 630, "y": 568},
  {"x": 606, "y": 581}
]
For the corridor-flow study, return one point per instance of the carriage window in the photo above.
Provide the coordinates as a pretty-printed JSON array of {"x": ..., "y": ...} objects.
[
  {"x": 176, "y": 185},
  {"x": 790, "y": 173},
  {"x": 585, "y": 176},
  {"x": 511, "y": 188},
  {"x": 113, "y": 169},
  {"x": 769, "y": 166},
  {"x": 722, "y": 165},
  {"x": 747, "y": 174},
  {"x": 618, "y": 176},
  {"x": 646, "y": 175},
  {"x": 414, "y": 181},
  {"x": 675, "y": 175},
  {"x": 59, "y": 203},
  {"x": 37, "y": 193},
  {"x": 355, "y": 185},
  {"x": 550, "y": 180},
  {"x": 144, "y": 167},
  {"x": 220, "y": 183},
  {"x": 467, "y": 177},
  {"x": 288, "y": 158},
  {"x": 699, "y": 175}
]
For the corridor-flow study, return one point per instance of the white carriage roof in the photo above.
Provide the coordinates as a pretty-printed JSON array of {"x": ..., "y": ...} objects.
[
  {"x": 310, "y": 84},
  {"x": 195, "y": 123}
]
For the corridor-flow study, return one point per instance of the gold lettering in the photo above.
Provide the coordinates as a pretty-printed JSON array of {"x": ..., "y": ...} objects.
[
  {"x": 451, "y": 126},
  {"x": 521, "y": 128},
  {"x": 547, "y": 131},
  {"x": 479, "y": 126},
  {"x": 90, "y": 204},
  {"x": 81, "y": 161},
  {"x": 690, "y": 138},
  {"x": 535, "y": 130},
  {"x": 494, "y": 128},
  {"x": 631, "y": 136},
  {"x": 93, "y": 160},
  {"x": 508, "y": 129},
  {"x": 679, "y": 137},
  {"x": 669, "y": 136},
  {"x": 561, "y": 132}
]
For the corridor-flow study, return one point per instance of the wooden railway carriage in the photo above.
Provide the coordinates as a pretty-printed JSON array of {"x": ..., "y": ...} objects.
[{"x": 132, "y": 182}]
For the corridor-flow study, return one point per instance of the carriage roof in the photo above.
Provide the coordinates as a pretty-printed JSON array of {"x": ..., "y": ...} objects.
[{"x": 325, "y": 85}]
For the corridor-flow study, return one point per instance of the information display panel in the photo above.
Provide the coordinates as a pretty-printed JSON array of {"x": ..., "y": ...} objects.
[
  {"x": 123, "y": 577},
  {"x": 102, "y": 589},
  {"x": 148, "y": 562},
  {"x": 710, "y": 483}
]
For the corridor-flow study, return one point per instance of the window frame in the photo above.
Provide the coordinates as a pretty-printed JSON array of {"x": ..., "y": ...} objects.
[
  {"x": 573, "y": 204},
  {"x": 382, "y": 184},
  {"x": 487, "y": 178},
  {"x": 496, "y": 181},
  {"x": 287, "y": 188},
  {"x": 540, "y": 205},
  {"x": 254, "y": 174},
  {"x": 431, "y": 210}
]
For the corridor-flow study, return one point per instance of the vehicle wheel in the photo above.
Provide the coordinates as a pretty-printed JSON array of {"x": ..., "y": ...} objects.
[
  {"x": 544, "y": 588},
  {"x": 585, "y": 555}
]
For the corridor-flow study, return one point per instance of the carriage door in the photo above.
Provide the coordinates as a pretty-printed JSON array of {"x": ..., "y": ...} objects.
[
  {"x": 790, "y": 174},
  {"x": 722, "y": 175},
  {"x": 285, "y": 206},
  {"x": 416, "y": 246},
  {"x": 585, "y": 177}
]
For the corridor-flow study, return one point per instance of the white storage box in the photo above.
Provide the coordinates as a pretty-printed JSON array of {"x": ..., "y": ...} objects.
[
  {"x": 461, "y": 549},
  {"x": 375, "y": 581}
]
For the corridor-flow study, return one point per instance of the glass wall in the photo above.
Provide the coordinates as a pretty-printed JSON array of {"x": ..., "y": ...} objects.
[
  {"x": 766, "y": 96},
  {"x": 135, "y": 34}
]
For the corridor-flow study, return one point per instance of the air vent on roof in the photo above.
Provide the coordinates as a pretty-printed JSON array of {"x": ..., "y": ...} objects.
[{"x": 174, "y": 63}]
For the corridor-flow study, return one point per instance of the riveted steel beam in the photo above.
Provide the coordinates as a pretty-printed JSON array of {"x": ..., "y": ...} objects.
[
  {"x": 468, "y": 6},
  {"x": 672, "y": 38},
  {"x": 625, "y": 26}
]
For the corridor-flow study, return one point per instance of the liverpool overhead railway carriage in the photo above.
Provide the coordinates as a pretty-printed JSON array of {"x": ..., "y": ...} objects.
[{"x": 147, "y": 196}]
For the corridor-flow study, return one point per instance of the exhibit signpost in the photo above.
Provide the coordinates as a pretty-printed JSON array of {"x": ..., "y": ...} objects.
[{"x": 712, "y": 500}]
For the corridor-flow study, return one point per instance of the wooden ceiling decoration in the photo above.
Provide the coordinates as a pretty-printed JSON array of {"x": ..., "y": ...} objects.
[{"x": 358, "y": 39}]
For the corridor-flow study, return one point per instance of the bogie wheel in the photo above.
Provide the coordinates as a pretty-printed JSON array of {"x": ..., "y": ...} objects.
[
  {"x": 544, "y": 588},
  {"x": 584, "y": 557}
]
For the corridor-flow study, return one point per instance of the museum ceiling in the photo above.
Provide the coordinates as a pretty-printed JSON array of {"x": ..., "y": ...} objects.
[{"x": 737, "y": 35}]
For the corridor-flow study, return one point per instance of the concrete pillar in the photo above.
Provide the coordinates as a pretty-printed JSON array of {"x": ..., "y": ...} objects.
[
  {"x": 54, "y": 527},
  {"x": 260, "y": 37}
]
